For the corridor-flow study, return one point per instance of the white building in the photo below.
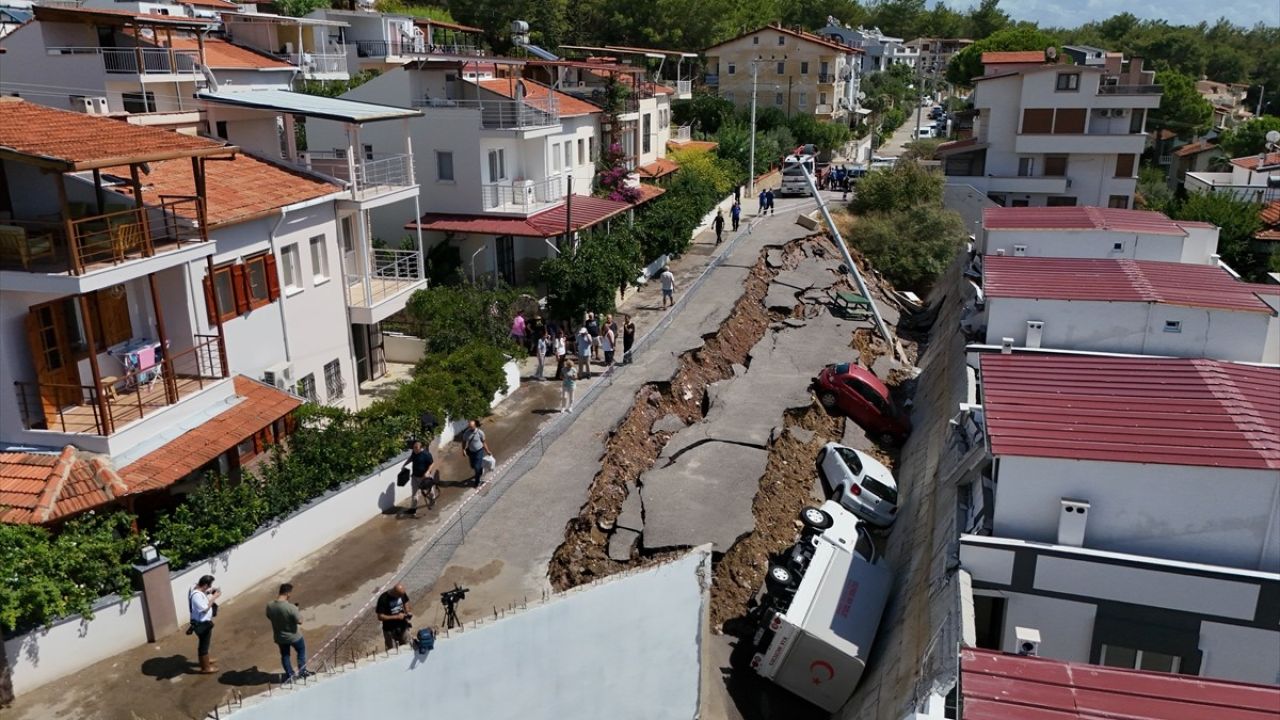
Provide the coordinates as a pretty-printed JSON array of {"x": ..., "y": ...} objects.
[
  {"x": 314, "y": 46},
  {"x": 382, "y": 41},
  {"x": 496, "y": 158},
  {"x": 1090, "y": 232},
  {"x": 1140, "y": 307},
  {"x": 879, "y": 51},
  {"x": 1127, "y": 508},
  {"x": 1255, "y": 178},
  {"x": 1054, "y": 134}
]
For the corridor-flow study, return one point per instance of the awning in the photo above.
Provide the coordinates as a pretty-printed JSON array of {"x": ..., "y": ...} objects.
[
  {"x": 661, "y": 167},
  {"x": 959, "y": 146},
  {"x": 587, "y": 212},
  {"x": 310, "y": 105}
]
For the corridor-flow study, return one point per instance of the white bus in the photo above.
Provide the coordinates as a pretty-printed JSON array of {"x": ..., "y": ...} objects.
[{"x": 793, "y": 182}]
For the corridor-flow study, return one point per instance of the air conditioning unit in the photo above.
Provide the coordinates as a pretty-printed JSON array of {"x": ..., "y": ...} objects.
[
  {"x": 279, "y": 375},
  {"x": 100, "y": 105},
  {"x": 1117, "y": 112},
  {"x": 91, "y": 105}
]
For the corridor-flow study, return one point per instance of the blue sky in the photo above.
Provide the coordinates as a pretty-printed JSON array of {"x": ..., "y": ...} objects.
[{"x": 1070, "y": 13}]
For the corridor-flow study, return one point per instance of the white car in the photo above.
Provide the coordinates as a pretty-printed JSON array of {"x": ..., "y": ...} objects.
[
  {"x": 860, "y": 483},
  {"x": 924, "y": 133}
]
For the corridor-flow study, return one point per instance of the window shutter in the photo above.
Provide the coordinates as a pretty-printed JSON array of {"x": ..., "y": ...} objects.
[
  {"x": 113, "y": 316},
  {"x": 210, "y": 302},
  {"x": 273, "y": 277},
  {"x": 240, "y": 283}
]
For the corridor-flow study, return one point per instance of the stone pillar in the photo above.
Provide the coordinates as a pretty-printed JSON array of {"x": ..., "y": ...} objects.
[{"x": 157, "y": 598}]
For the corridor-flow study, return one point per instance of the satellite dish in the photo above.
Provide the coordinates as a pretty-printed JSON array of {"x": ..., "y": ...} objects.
[
  {"x": 1273, "y": 137},
  {"x": 1051, "y": 52}
]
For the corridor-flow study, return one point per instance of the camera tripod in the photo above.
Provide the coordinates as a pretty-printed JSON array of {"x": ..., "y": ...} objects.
[{"x": 451, "y": 613}]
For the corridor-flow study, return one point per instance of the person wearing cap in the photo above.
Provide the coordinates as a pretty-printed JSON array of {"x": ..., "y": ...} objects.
[{"x": 584, "y": 353}]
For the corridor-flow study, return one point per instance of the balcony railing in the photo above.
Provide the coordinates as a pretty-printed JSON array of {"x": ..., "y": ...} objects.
[
  {"x": 684, "y": 87},
  {"x": 1129, "y": 89},
  {"x": 522, "y": 195},
  {"x": 383, "y": 48},
  {"x": 119, "y": 402},
  {"x": 1247, "y": 193},
  {"x": 393, "y": 272},
  {"x": 374, "y": 176},
  {"x": 504, "y": 114},
  {"x": 826, "y": 78},
  {"x": 90, "y": 243},
  {"x": 314, "y": 63},
  {"x": 682, "y": 133},
  {"x": 139, "y": 60}
]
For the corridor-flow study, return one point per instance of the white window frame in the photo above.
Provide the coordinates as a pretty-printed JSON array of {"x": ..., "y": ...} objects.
[
  {"x": 290, "y": 260},
  {"x": 319, "y": 259},
  {"x": 497, "y": 165},
  {"x": 441, "y": 156},
  {"x": 306, "y": 387},
  {"x": 1173, "y": 326},
  {"x": 555, "y": 157},
  {"x": 582, "y": 153},
  {"x": 803, "y": 101},
  {"x": 334, "y": 387},
  {"x": 568, "y": 155}
]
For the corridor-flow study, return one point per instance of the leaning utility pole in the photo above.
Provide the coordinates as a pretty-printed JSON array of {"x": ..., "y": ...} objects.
[
  {"x": 751, "y": 169},
  {"x": 848, "y": 262}
]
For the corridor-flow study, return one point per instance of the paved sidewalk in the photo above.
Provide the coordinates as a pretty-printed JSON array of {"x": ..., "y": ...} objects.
[{"x": 156, "y": 680}]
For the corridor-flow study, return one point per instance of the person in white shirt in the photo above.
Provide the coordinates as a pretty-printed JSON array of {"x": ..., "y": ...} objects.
[
  {"x": 668, "y": 288},
  {"x": 539, "y": 374},
  {"x": 202, "y": 601}
]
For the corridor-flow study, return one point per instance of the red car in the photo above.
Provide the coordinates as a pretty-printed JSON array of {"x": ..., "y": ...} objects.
[{"x": 857, "y": 393}]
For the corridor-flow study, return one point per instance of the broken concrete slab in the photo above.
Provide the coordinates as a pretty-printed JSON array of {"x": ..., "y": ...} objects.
[
  {"x": 780, "y": 297},
  {"x": 620, "y": 544},
  {"x": 804, "y": 435},
  {"x": 815, "y": 273},
  {"x": 884, "y": 365},
  {"x": 705, "y": 496},
  {"x": 806, "y": 222},
  {"x": 631, "y": 516},
  {"x": 793, "y": 322},
  {"x": 773, "y": 258},
  {"x": 855, "y": 437},
  {"x": 668, "y": 423},
  {"x": 739, "y": 370}
]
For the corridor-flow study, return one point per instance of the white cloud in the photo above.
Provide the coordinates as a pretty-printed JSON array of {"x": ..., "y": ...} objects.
[{"x": 1072, "y": 13}]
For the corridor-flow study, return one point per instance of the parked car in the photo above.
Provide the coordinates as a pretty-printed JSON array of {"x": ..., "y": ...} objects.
[
  {"x": 856, "y": 392},
  {"x": 860, "y": 483},
  {"x": 924, "y": 132},
  {"x": 821, "y": 608}
]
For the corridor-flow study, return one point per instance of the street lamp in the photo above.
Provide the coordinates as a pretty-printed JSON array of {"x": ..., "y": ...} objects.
[
  {"x": 871, "y": 148},
  {"x": 751, "y": 170}
]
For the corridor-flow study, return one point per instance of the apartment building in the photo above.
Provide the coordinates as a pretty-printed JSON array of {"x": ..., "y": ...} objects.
[
  {"x": 1228, "y": 101},
  {"x": 936, "y": 52},
  {"x": 1090, "y": 232},
  {"x": 1083, "y": 492},
  {"x": 314, "y": 46},
  {"x": 791, "y": 70},
  {"x": 1141, "y": 307},
  {"x": 878, "y": 52},
  {"x": 1049, "y": 134},
  {"x": 1254, "y": 178},
  {"x": 99, "y": 297}
]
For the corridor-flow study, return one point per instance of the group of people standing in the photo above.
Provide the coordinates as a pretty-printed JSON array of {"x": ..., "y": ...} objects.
[
  {"x": 766, "y": 201},
  {"x": 836, "y": 178},
  {"x": 594, "y": 341}
]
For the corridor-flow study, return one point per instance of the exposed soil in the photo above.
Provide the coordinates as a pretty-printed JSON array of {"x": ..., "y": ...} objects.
[
  {"x": 632, "y": 448},
  {"x": 786, "y": 487}
]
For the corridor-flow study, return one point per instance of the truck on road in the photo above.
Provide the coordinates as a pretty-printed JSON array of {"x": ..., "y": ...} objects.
[{"x": 821, "y": 608}]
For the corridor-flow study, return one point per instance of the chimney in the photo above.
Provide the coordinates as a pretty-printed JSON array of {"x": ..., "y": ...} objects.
[
  {"x": 1006, "y": 346},
  {"x": 1035, "y": 330},
  {"x": 1071, "y": 522},
  {"x": 1028, "y": 641}
]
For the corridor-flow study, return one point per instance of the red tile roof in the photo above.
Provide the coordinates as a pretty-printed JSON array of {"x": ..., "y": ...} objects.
[
  {"x": 37, "y": 488},
  {"x": 76, "y": 141},
  {"x": 1080, "y": 218},
  {"x": 649, "y": 192},
  {"x": 1194, "y": 148},
  {"x": 1255, "y": 162},
  {"x": 568, "y": 105},
  {"x": 996, "y": 686},
  {"x": 1162, "y": 411},
  {"x": 222, "y": 55},
  {"x": 658, "y": 168},
  {"x": 1271, "y": 213},
  {"x": 959, "y": 145},
  {"x": 236, "y": 190},
  {"x": 218, "y": 4},
  {"x": 1145, "y": 281},
  {"x": 260, "y": 406},
  {"x": 798, "y": 34},
  {"x": 1013, "y": 56},
  {"x": 587, "y": 211},
  {"x": 447, "y": 25}
]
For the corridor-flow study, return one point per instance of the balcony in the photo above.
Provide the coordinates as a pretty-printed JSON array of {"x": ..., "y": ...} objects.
[
  {"x": 89, "y": 244},
  {"x": 369, "y": 178},
  {"x": 1209, "y": 182},
  {"x": 529, "y": 114},
  {"x": 1032, "y": 185},
  {"x": 395, "y": 275},
  {"x": 318, "y": 66},
  {"x": 826, "y": 78},
  {"x": 684, "y": 89},
  {"x": 145, "y": 62},
  {"x": 682, "y": 134},
  {"x": 118, "y": 409},
  {"x": 522, "y": 197},
  {"x": 1080, "y": 143},
  {"x": 1130, "y": 89}
]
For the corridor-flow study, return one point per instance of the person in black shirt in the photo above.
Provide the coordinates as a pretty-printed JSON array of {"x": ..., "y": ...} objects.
[
  {"x": 394, "y": 612},
  {"x": 421, "y": 470},
  {"x": 628, "y": 339}
]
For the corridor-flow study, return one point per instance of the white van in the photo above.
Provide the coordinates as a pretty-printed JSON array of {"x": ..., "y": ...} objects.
[
  {"x": 821, "y": 608},
  {"x": 924, "y": 132}
]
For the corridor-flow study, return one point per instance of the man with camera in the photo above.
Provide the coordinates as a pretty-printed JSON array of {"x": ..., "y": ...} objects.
[
  {"x": 394, "y": 612},
  {"x": 202, "y": 601}
]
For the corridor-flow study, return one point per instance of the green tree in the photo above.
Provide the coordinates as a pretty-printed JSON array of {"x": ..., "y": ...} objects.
[
  {"x": 1153, "y": 189},
  {"x": 402, "y": 7},
  {"x": 813, "y": 14},
  {"x": 1248, "y": 138},
  {"x": 705, "y": 112},
  {"x": 462, "y": 314},
  {"x": 911, "y": 247},
  {"x": 299, "y": 8},
  {"x": 828, "y": 136},
  {"x": 985, "y": 19},
  {"x": 967, "y": 64},
  {"x": 905, "y": 186},
  {"x": 1237, "y": 220},
  {"x": 900, "y": 18},
  {"x": 1182, "y": 109},
  {"x": 587, "y": 278}
]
